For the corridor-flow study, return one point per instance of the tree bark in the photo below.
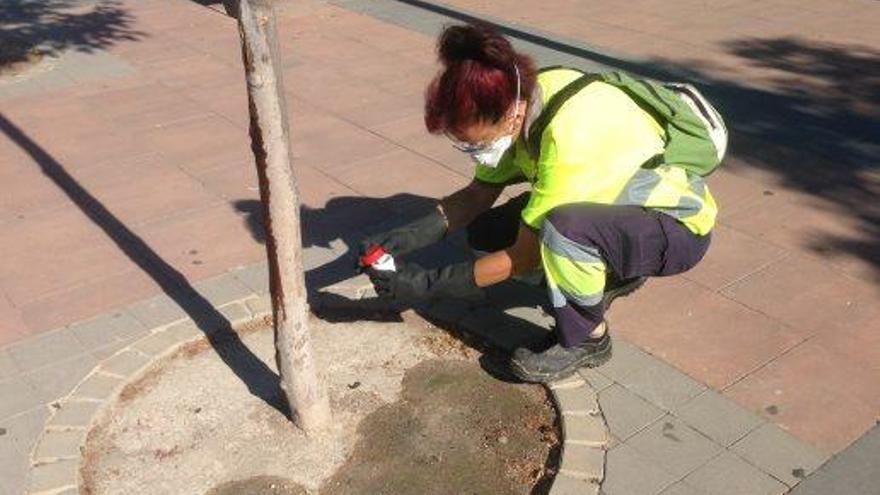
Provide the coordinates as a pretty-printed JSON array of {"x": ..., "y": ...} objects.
[{"x": 270, "y": 142}]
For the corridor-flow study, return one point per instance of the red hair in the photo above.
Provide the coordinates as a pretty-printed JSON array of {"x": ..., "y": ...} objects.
[{"x": 478, "y": 80}]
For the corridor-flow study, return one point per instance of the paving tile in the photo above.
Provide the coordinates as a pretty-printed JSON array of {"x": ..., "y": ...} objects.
[
  {"x": 125, "y": 363},
  {"x": 255, "y": 276},
  {"x": 852, "y": 472},
  {"x": 674, "y": 446},
  {"x": 717, "y": 417},
  {"x": 585, "y": 430},
  {"x": 161, "y": 189},
  {"x": 586, "y": 463},
  {"x": 731, "y": 256},
  {"x": 569, "y": 485},
  {"x": 13, "y": 468},
  {"x": 222, "y": 289},
  {"x": 597, "y": 380},
  {"x": 157, "y": 311},
  {"x": 627, "y": 472},
  {"x": 577, "y": 401},
  {"x": 74, "y": 413},
  {"x": 413, "y": 174},
  {"x": 57, "y": 379},
  {"x": 14, "y": 327},
  {"x": 53, "y": 475},
  {"x": 46, "y": 348},
  {"x": 157, "y": 344},
  {"x": 650, "y": 378},
  {"x": 8, "y": 369},
  {"x": 204, "y": 243},
  {"x": 23, "y": 429},
  {"x": 807, "y": 295},
  {"x": 682, "y": 488},
  {"x": 89, "y": 299},
  {"x": 711, "y": 338},
  {"x": 625, "y": 412},
  {"x": 107, "y": 328},
  {"x": 97, "y": 386},
  {"x": 778, "y": 453},
  {"x": 727, "y": 474},
  {"x": 574, "y": 381},
  {"x": 805, "y": 390},
  {"x": 57, "y": 444}
]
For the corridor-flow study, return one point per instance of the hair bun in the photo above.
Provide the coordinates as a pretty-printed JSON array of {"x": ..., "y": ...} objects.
[{"x": 477, "y": 42}]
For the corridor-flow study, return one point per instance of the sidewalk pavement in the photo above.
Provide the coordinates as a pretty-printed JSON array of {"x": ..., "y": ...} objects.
[{"x": 126, "y": 175}]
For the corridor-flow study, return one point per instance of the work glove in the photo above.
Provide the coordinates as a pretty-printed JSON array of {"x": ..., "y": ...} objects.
[
  {"x": 407, "y": 238},
  {"x": 411, "y": 283}
]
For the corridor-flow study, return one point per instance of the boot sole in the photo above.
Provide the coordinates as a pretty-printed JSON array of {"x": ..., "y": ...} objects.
[{"x": 588, "y": 361}]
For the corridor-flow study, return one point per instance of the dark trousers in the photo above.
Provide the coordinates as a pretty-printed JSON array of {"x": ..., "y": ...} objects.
[{"x": 632, "y": 242}]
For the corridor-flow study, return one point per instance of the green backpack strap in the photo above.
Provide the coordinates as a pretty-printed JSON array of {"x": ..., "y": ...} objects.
[{"x": 536, "y": 130}]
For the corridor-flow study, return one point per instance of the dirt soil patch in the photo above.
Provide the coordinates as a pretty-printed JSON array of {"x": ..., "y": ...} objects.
[{"x": 413, "y": 413}]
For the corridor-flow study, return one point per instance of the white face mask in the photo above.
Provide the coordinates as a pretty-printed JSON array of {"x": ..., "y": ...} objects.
[
  {"x": 489, "y": 155},
  {"x": 492, "y": 153}
]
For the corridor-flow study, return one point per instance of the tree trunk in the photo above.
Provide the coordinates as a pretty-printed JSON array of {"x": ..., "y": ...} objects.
[{"x": 270, "y": 142}]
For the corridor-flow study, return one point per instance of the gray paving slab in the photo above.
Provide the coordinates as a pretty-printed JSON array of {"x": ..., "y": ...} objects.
[
  {"x": 727, "y": 474},
  {"x": 97, "y": 386},
  {"x": 125, "y": 363},
  {"x": 8, "y": 368},
  {"x": 595, "y": 378},
  {"x": 585, "y": 430},
  {"x": 73, "y": 413},
  {"x": 53, "y": 475},
  {"x": 157, "y": 311},
  {"x": 718, "y": 417},
  {"x": 255, "y": 276},
  {"x": 18, "y": 396},
  {"x": 627, "y": 472},
  {"x": 235, "y": 313},
  {"x": 578, "y": 401},
  {"x": 855, "y": 471},
  {"x": 44, "y": 349},
  {"x": 222, "y": 289},
  {"x": 259, "y": 306},
  {"x": 22, "y": 430},
  {"x": 625, "y": 412},
  {"x": 569, "y": 485},
  {"x": 157, "y": 343},
  {"x": 59, "y": 444},
  {"x": 580, "y": 461},
  {"x": 108, "y": 328},
  {"x": 57, "y": 379},
  {"x": 13, "y": 468},
  {"x": 779, "y": 453},
  {"x": 682, "y": 488},
  {"x": 649, "y": 377},
  {"x": 674, "y": 446}
]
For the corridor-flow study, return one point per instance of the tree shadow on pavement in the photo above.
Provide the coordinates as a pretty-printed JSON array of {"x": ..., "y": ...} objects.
[
  {"x": 30, "y": 28},
  {"x": 261, "y": 381},
  {"x": 816, "y": 126}
]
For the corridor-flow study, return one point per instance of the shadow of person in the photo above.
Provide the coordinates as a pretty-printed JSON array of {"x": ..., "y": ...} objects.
[{"x": 508, "y": 317}]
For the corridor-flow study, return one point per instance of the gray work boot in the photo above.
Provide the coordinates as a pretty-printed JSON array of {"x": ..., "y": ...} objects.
[{"x": 558, "y": 362}]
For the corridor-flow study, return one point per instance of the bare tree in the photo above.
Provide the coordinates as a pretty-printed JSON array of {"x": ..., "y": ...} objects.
[{"x": 270, "y": 142}]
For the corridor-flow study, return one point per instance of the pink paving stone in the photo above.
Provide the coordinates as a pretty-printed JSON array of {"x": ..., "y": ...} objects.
[
  {"x": 205, "y": 242},
  {"x": 142, "y": 108},
  {"x": 91, "y": 298},
  {"x": 411, "y": 174},
  {"x": 807, "y": 295},
  {"x": 25, "y": 188},
  {"x": 338, "y": 146},
  {"x": 200, "y": 143},
  {"x": 819, "y": 395},
  {"x": 160, "y": 189},
  {"x": 707, "y": 336},
  {"x": 732, "y": 255},
  {"x": 734, "y": 193},
  {"x": 52, "y": 250},
  {"x": 12, "y": 326}
]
